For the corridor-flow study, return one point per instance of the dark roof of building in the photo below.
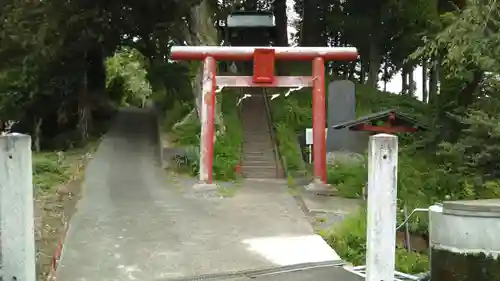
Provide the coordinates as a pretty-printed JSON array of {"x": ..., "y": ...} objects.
[{"x": 400, "y": 120}]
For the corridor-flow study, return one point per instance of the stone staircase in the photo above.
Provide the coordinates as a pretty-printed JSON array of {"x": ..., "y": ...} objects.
[{"x": 259, "y": 158}]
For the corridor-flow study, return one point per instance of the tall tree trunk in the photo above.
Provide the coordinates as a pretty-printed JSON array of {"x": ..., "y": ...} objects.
[
  {"x": 202, "y": 32},
  {"x": 309, "y": 33},
  {"x": 375, "y": 60},
  {"x": 279, "y": 9},
  {"x": 352, "y": 70},
  {"x": 362, "y": 73},
  {"x": 466, "y": 96},
  {"x": 250, "y": 5},
  {"x": 96, "y": 76},
  {"x": 433, "y": 81},
  {"x": 404, "y": 80},
  {"x": 84, "y": 109},
  {"x": 346, "y": 70},
  {"x": 385, "y": 77},
  {"x": 93, "y": 88},
  {"x": 374, "y": 41},
  {"x": 37, "y": 132},
  {"x": 411, "y": 81},
  {"x": 425, "y": 93}
]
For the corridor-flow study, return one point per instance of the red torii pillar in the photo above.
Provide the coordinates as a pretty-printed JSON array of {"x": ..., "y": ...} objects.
[{"x": 263, "y": 76}]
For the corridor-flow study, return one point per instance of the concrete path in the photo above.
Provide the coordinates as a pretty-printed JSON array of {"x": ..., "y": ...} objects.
[
  {"x": 134, "y": 223},
  {"x": 328, "y": 211}
]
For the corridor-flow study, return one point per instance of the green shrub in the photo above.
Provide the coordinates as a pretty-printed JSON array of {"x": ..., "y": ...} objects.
[
  {"x": 176, "y": 112},
  {"x": 295, "y": 111},
  {"x": 287, "y": 145},
  {"x": 421, "y": 183},
  {"x": 349, "y": 179},
  {"x": 290, "y": 115},
  {"x": 188, "y": 134},
  {"x": 349, "y": 240},
  {"x": 227, "y": 147}
]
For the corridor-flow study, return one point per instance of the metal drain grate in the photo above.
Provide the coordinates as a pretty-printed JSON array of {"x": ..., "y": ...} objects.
[{"x": 251, "y": 274}]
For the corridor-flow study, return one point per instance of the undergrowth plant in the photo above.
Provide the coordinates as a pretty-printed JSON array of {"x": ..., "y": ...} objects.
[
  {"x": 287, "y": 144},
  {"x": 289, "y": 115},
  {"x": 56, "y": 167},
  {"x": 227, "y": 147},
  {"x": 349, "y": 241}
]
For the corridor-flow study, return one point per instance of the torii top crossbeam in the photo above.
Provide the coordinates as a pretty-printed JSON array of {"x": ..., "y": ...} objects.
[{"x": 246, "y": 53}]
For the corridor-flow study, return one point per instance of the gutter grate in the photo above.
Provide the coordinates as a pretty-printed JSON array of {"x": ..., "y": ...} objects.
[{"x": 251, "y": 274}]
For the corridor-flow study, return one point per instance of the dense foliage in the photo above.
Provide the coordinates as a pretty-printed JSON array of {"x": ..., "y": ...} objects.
[{"x": 53, "y": 71}]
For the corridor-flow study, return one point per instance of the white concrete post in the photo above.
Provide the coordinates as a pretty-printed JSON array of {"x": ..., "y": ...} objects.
[
  {"x": 382, "y": 191},
  {"x": 16, "y": 209}
]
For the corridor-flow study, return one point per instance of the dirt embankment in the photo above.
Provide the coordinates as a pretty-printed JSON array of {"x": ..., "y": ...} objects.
[{"x": 58, "y": 181}]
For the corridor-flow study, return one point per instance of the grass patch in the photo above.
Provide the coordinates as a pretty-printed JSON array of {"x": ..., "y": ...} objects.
[
  {"x": 53, "y": 168},
  {"x": 289, "y": 115},
  {"x": 349, "y": 241},
  {"x": 349, "y": 179},
  {"x": 228, "y": 191},
  {"x": 287, "y": 145},
  {"x": 227, "y": 147}
]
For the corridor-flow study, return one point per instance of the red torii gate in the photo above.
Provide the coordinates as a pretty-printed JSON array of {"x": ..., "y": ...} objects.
[{"x": 263, "y": 76}]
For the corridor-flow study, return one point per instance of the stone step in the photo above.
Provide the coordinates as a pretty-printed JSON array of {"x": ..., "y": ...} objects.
[
  {"x": 259, "y": 176},
  {"x": 267, "y": 172},
  {"x": 259, "y": 113},
  {"x": 256, "y": 116},
  {"x": 257, "y": 129},
  {"x": 258, "y": 157},
  {"x": 255, "y": 154},
  {"x": 259, "y": 168},
  {"x": 258, "y": 150},
  {"x": 254, "y": 166},
  {"x": 267, "y": 142},
  {"x": 256, "y": 135},
  {"x": 271, "y": 165},
  {"x": 261, "y": 159},
  {"x": 255, "y": 124},
  {"x": 257, "y": 139},
  {"x": 257, "y": 144}
]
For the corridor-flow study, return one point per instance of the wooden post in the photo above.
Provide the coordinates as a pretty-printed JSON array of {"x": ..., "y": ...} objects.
[
  {"x": 381, "y": 224},
  {"x": 16, "y": 209}
]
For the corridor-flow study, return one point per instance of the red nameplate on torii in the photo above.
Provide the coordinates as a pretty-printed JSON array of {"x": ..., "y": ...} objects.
[{"x": 263, "y": 65}]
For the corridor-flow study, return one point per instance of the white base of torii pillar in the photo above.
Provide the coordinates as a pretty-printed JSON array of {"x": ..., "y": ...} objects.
[{"x": 263, "y": 76}]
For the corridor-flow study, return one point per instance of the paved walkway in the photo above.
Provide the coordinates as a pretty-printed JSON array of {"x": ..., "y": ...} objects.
[{"x": 134, "y": 223}]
